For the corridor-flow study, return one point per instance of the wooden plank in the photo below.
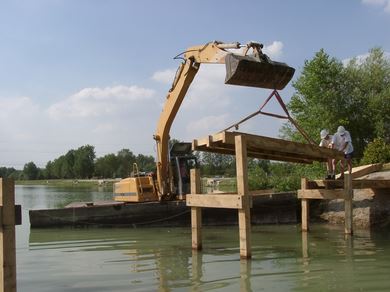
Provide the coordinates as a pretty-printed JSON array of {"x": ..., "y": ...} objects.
[
  {"x": 285, "y": 146},
  {"x": 370, "y": 184},
  {"x": 260, "y": 155},
  {"x": 348, "y": 208},
  {"x": 356, "y": 184},
  {"x": 305, "y": 207},
  {"x": 364, "y": 170},
  {"x": 7, "y": 235},
  {"x": 244, "y": 221},
  {"x": 266, "y": 148},
  {"x": 215, "y": 201},
  {"x": 196, "y": 213},
  {"x": 321, "y": 194}
]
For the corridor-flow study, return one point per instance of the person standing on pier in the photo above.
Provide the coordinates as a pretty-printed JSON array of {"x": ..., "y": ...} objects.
[
  {"x": 342, "y": 141},
  {"x": 326, "y": 141}
]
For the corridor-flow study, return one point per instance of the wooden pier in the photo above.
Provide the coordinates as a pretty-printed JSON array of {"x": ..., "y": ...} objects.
[
  {"x": 339, "y": 189},
  {"x": 244, "y": 145}
]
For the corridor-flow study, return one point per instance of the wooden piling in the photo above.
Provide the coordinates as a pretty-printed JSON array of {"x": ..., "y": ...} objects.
[
  {"x": 196, "y": 212},
  {"x": 7, "y": 235},
  {"x": 348, "y": 208},
  {"x": 244, "y": 221},
  {"x": 305, "y": 207}
]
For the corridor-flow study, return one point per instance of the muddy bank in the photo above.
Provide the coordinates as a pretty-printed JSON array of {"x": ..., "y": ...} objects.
[{"x": 371, "y": 207}]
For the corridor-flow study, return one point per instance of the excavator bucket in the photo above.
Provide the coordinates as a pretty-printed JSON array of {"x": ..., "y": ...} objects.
[{"x": 249, "y": 71}]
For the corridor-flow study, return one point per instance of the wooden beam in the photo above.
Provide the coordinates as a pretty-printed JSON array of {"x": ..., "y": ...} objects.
[
  {"x": 260, "y": 155},
  {"x": 364, "y": 170},
  {"x": 196, "y": 212},
  {"x": 356, "y": 184},
  {"x": 321, "y": 194},
  {"x": 231, "y": 201},
  {"x": 7, "y": 235},
  {"x": 348, "y": 208},
  {"x": 305, "y": 207},
  {"x": 244, "y": 215},
  {"x": 266, "y": 148},
  {"x": 284, "y": 146}
]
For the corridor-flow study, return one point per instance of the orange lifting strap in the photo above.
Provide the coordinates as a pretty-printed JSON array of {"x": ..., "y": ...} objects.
[{"x": 287, "y": 117}]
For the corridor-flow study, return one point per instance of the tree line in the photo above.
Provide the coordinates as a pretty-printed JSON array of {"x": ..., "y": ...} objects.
[{"x": 82, "y": 163}]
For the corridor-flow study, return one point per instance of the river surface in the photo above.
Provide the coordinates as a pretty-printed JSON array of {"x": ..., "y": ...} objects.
[{"x": 161, "y": 259}]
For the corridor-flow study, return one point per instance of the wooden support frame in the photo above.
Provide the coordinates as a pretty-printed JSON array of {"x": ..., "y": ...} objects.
[
  {"x": 244, "y": 221},
  {"x": 305, "y": 207},
  {"x": 196, "y": 211},
  {"x": 240, "y": 201},
  {"x": 345, "y": 193}
]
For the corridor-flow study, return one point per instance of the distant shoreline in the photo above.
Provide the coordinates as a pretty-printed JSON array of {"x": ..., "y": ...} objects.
[{"x": 69, "y": 182}]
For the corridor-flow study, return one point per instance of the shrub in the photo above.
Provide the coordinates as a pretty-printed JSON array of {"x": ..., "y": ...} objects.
[{"x": 377, "y": 151}]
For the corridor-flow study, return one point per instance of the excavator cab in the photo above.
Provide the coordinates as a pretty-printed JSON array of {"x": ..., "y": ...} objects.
[{"x": 182, "y": 161}]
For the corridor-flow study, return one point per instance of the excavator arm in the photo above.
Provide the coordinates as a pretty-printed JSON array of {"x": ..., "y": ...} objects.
[{"x": 255, "y": 70}]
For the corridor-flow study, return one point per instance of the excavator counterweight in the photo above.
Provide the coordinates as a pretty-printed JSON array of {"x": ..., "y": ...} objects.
[{"x": 250, "y": 71}]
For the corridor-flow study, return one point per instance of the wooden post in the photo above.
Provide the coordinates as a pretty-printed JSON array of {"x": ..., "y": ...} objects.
[
  {"x": 305, "y": 245},
  {"x": 244, "y": 221},
  {"x": 305, "y": 207},
  {"x": 196, "y": 212},
  {"x": 197, "y": 271},
  {"x": 348, "y": 208},
  {"x": 245, "y": 275},
  {"x": 7, "y": 236}
]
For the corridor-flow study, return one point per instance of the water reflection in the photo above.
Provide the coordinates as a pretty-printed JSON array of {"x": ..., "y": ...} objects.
[{"x": 152, "y": 259}]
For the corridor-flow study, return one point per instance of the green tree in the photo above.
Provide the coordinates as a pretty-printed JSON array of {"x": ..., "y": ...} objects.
[
  {"x": 7, "y": 171},
  {"x": 317, "y": 100},
  {"x": 107, "y": 166},
  {"x": 126, "y": 158},
  {"x": 145, "y": 162},
  {"x": 30, "y": 171},
  {"x": 217, "y": 164},
  {"x": 84, "y": 161},
  {"x": 329, "y": 94}
]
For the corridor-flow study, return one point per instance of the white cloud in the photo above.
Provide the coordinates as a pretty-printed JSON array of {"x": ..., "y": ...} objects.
[
  {"x": 165, "y": 76},
  {"x": 208, "y": 90},
  {"x": 95, "y": 102},
  {"x": 385, "y": 4},
  {"x": 17, "y": 116},
  {"x": 274, "y": 50},
  {"x": 361, "y": 58},
  {"x": 12, "y": 107},
  {"x": 207, "y": 125}
]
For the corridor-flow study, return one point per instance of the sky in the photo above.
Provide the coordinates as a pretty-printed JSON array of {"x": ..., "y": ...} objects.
[{"x": 77, "y": 72}]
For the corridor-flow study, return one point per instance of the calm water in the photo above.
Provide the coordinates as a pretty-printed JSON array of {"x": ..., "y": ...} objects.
[{"x": 122, "y": 259}]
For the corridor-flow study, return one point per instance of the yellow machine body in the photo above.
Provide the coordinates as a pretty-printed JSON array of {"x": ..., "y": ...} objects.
[{"x": 135, "y": 189}]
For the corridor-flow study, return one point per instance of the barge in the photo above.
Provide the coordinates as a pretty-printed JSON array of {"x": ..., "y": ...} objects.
[{"x": 268, "y": 208}]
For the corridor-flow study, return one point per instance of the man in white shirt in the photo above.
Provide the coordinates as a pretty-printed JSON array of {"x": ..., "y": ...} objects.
[
  {"x": 326, "y": 141},
  {"x": 342, "y": 141}
]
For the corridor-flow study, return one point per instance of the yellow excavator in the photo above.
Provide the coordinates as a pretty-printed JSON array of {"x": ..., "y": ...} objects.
[{"x": 246, "y": 65}]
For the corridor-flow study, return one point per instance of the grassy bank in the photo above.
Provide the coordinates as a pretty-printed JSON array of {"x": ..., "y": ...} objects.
[{"x": 68, "y": 183}]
